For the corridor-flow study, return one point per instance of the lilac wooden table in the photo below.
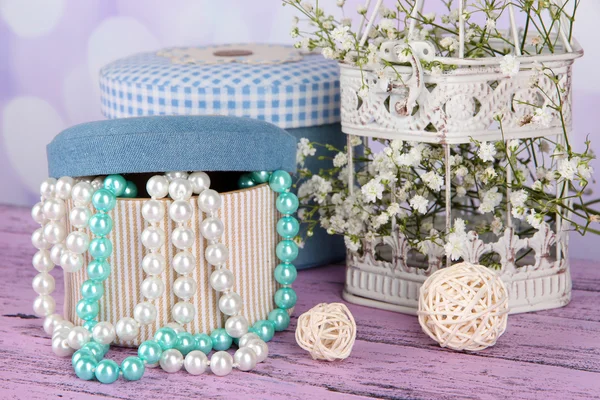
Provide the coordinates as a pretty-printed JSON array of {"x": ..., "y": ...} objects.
[{"x": 550, "y": 354}]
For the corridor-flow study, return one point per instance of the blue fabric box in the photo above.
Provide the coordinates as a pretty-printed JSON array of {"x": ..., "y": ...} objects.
[{"x": 272, "y": 83}]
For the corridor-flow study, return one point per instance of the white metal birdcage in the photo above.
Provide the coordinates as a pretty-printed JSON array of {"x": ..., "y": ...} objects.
[{"x": 451, "y": 108}]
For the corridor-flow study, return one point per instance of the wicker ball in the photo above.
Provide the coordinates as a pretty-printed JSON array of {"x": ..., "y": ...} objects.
[
  {"x": 464, "y": 307},
  {"x": 327, "y": 331}
]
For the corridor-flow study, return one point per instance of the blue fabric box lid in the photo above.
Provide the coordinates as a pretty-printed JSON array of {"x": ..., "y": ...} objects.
[
  {"x": 171, "y": 143},
  {"x": 273, "y": 83}
]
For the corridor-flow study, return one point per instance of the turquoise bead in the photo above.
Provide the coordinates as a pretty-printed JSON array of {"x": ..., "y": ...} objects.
[
  {"x": 87, "y": 309},
  {"x": 131, "y": 190},
  {"x": 98, "y": 270},
  {"x": 101, "y": 224},
  {"x": 80, "y": 353},
  {"x": 92, "y": 290},
  {"x": 150, "y": 351},
  {"x": 288, "y": 227},
  {"x": 203, "y": 342},
  {"x": 185, "y": 343},
  {"x": 280, "y": 181},
  {"x": 265, "y": 329},
  {"x": 280, "y": 318},
  {"x": 105, "y": 348},
  {"x": 116, "y": 184},
  {"x": 166, "y": 338},
  {"x": 287, "y": 250},
  {"x": 95, "y": 348},
  {"x": 220, "y": 339},
  {"x": 133, "y": 368},
  {"x": 285, "y": 273},
  {"x": 260, "y": 176},
  {"x": 287, "y": 203},
  {"x": 100, "y": 248},
  {"x": 246, "y": 182},
  {"x": 89, "y": 325},
  {"x": 85, "y": 366},
  {"x": 104, "y": 200},
  {"x": 285, "y": 298},
  {"x": 107, "y": 371}
]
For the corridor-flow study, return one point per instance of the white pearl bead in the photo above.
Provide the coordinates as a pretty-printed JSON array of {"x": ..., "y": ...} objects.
[
  {"x": 195, "y": 362},
  {"x": 216, "y": 254},
  {"x": 171, "y": 360},
  {"x": 64, "y": 324},
  {"x": 153, "y": 210},
  {"x": 61, "y": 347},
  {"x": 157, "y": 187},
  {"x": 153, "y": 287},
  {"x": 154, "y": 263},
  {"x": 50, "y": 322},
  {"x": 71, "y": 262},
  {"x": 63, "y": 187},
  {"x": 245, "y": 358},
  {"x": 221, "y": 363},
  {"x": 78, "y": 337},
  {"x": 172, "y": 175},
  {"x": 199, "y": 180},
  {"x": 56, "y": 252},
  {"x": 221, "y": 279},
  {"x": 104, "y": 332},
  {"x": 38, "y": 240},
  {"x": 79, "y": 217},
  {"x": 37, "y": 213},
  {"x": 43, "y": 283},
  {"x": 230, "y": 303},
  {"x": 260, "y": 348},
  {"x": 180, "y": 210},
  {"x": 144, "y": 313},
  {"x": 127, "y": 328},
  {"x": 245, "y": 339},
  {"x": 209, "y": 201},
  {"x": 175, "y": 326},
  {"x": 98, "y": 182},
  {"x": 180, "y": 189},
  {"x": 42, "y": 262},
  {"x": 183, "y": 312},
  {"x": 78, "y": 242},
  {"x": 183, "y": 238},
  {"x": 60, "y": 331},
  {"x": 184, "y": 262},
  {"x": 47, "y": 187},
  {"x": 55, "y": 232},
  {"x": 54, "y": 209},
  {"x": 236, "y": 326},
  {"x": 212, "y": 228},
  {"x": 184, "y": 287},
  {"x": 153, "y": 237},
  {"x": 82, "y": 193},
  {"x": 44, "y": 305}
]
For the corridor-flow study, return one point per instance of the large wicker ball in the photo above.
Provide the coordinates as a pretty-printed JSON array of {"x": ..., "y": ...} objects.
[
  {"x": 327, "y": 331},
  {"x": 464, "y": 307}
]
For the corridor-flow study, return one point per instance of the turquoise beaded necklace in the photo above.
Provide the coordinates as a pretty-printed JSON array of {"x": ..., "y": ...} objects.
[{"x": 88, "y": 361}]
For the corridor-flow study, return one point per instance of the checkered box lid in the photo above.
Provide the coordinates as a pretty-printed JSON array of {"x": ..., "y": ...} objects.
[{"x": 272, "y": 83}]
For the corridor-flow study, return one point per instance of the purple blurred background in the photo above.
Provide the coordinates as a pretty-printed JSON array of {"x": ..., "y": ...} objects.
[{"x": 51, "y": 52}]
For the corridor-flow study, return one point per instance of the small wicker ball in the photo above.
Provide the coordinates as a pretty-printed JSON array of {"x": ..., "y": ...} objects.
[
  {"x": 327, "y": 331},
  {"x": 464, "y": 307}
]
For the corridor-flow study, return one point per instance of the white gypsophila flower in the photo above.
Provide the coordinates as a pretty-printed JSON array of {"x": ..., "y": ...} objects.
[
  {"x": 535, "y": 220},
  {"x": 308, "y": 7},
  {"x": 510, "y": 65},
  {"x": 461, "y": 191},
  {"x": 382, "y": 219},
  {"x": 513, "y": 145},
  {"x": 487, "y": 174},
  {"x": 490, "y": 200},
  {"x": 542, "y": 117},
  {"x": 387, "y": 24},
  {"x": 355, "y": 141},
  {"x": 490, "y": 24},
  {"x": 518, "y": 212},
  {"x": 301, "y": 213},
  {"x": 304, "y": 149},
  {"x": 328, "y": 53},
  {"x": 361, "y": 9},
  {"x": 456, "y": 160},
  {"x": 518, "y": 198},
  {"x": 328, "y": 25},
  {"x": 299, "y": 242},
  {"x": 363, "y": 92},
  {"x": 461, "y": 171},
  {"x": 486, "y": 151},
  {"x": 393, "y": 209},
  {"x": 585, "y": 171},
  {"x": 337, "y": 199},
  {"x": 294, "y": 32},
  {"x": 496, "y": 226},
  {"x": 370, "y": 237},
  {"x": 340, "y": 33},
  {"x": 456, "y": 239},
  {"x": 450, "y": 43},
  {"x": 544, "y": 146},
  {"x": 295, "y": 21},
  {"x": 537, "y": 186},
  {"x": 536, "y": 40},
  {"x": 340, "y": 159},
  {"x": 436, "y": 70},
  {"x": 352, "y": 244},
  {"x": 419, "y": 203},
  {"x": 433, "y": 180},
  {"x": 337, "y": 223},
  {"x": 304, "y": 44},
  {"x": 459, "y": 226},
  {"x": 340, "y": 3},
  {"x": 373, "y": 190},
  {"x": 568, "y": 168},
  {"x": 346, "y": 22},
  {"x": 348, "y": 44}
]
